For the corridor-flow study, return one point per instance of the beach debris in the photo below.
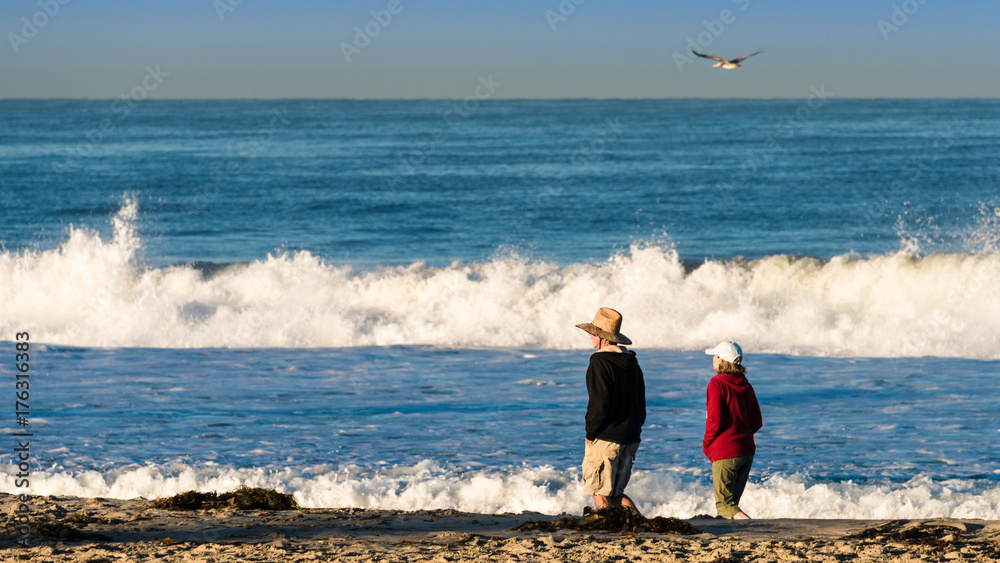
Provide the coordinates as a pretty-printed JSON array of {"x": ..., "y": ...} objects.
[
  {"x": 724, "y": 63},
  {"x": 244, "y": 498},
  {"x": 938, "y": 537},
  {"x": 614, "y": 519},
  {"x": 83, "y": 518}
]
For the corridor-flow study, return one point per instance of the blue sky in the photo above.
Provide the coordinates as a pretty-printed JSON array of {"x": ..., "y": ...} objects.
[{"x": 533, "y": 49}]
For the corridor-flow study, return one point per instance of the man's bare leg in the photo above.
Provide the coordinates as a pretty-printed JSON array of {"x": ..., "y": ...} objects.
[
  {"x": 601, "y": 501},
  {"x": 627, "y": 503}
]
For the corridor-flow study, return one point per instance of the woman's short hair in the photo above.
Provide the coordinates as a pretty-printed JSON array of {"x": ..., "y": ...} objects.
[{"x": 731, "y": 368}]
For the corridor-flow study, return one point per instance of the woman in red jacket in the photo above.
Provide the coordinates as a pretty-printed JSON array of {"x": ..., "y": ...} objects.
[{"x": 732, "y": 419}]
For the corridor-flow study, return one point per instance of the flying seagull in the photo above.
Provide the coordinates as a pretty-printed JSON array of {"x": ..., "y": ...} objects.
[{"x": 728, "y": 65}]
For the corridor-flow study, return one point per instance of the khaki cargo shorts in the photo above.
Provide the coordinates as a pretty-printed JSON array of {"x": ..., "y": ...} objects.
[{"x": 607, "y": 467}]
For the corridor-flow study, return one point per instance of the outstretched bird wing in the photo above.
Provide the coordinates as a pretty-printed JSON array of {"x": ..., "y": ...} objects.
[
  {"x": 745, "y": 57},
  {"x": 704, "y": 56}
]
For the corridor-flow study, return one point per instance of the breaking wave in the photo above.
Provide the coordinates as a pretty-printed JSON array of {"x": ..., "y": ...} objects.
[
  {"x": 428, "y": 485},
  {"x": 92, "y": 292}
]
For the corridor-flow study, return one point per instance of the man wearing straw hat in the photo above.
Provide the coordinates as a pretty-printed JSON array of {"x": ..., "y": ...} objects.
[{"x": 615, "y": 412}]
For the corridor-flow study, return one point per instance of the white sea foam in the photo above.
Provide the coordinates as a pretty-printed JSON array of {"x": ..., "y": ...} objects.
[
  {"x": 428, "y": 485},
  {"x": 92, "y": 292}
]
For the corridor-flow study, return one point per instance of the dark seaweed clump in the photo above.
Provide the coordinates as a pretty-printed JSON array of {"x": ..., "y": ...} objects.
[
  {"x": 938, "y": 537},
  {"x": 244, "y": 498},
  {"x": 614, "y": 519}
]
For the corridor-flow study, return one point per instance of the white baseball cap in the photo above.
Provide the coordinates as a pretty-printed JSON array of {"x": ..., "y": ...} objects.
[{"x": 728, "y": 350}]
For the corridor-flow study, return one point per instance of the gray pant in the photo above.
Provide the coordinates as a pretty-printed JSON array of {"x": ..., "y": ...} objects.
[{"x": 729, "y": 477}]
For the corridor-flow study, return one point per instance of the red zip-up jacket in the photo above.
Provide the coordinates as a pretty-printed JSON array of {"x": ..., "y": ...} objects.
[{"x": 733, "y": 418}]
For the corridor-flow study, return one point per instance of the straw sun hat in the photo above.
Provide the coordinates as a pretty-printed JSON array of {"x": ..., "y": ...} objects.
[{"x": 607, "y": 324}]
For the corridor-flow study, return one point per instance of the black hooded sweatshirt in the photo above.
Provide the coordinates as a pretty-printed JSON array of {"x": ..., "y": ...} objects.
[{"x": 617, "y": 406}]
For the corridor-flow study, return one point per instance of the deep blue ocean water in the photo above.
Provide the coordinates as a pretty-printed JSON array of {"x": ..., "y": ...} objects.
[
  {"x": 372, "y": 303},
  {"x": 378, "y": 183}
]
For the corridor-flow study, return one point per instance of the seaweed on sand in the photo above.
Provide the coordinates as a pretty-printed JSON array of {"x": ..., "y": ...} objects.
[
  {"x": 245, "y": 498},
  {"x": 937, "y": 537},
  {"x": 615, "y": 519}
]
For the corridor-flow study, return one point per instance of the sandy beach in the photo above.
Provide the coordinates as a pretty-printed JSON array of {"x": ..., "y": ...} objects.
[{"x": 109, "y": 530}]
